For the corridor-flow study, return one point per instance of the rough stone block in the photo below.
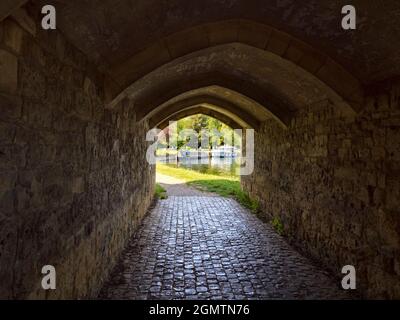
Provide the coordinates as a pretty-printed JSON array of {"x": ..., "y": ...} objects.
[
  {"x": 13, "y": 35},
  {"x": 7, "y": 7},
  {"x": 24, "y": 20},
  {"x": 7, "y": 133},
  {"x": 393, "y": 145},
  {"x": 295, "y": 51},
  {"x": 187, "y": 41},
  {"x": 222, "y": 32},
  {"x": 338, "y": 78},
  {"x": 7, "y": 202},
  {"x": 143, "y": 62},
  {"x": 311, "y": 60},
  {"x": 10, "y": 107},
  {"x": 8, "y": 247},
  {"x": 254, "y": 34},
  {"x": 278, "y": 42},
  {"x": 33, "y": 82},
  {"x": 1, "y": 31},
  {"x": 7, "y": 182},
  {"x": 8, "y": 72},
  {"x": 78, "y": 185}
]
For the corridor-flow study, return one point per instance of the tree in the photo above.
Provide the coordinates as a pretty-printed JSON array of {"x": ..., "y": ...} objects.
[{"x": 218, "y": 132}]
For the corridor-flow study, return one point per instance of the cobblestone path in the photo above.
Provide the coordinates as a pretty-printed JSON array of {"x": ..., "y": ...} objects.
[{"x": 199, "y": 247}]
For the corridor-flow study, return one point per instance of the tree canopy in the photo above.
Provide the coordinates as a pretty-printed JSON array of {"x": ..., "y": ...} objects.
[{"x": 214, "y": 131}]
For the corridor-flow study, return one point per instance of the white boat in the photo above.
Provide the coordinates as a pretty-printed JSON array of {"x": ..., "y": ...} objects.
[
  {"x": 224, "y": 152},
  {"x": 193, "y": 154}
]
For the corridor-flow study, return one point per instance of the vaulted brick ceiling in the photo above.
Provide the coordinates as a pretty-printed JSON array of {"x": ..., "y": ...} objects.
[{"x": 111, "y": 31}]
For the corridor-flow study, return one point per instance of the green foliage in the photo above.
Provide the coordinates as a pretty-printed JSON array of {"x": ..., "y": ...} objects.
[
  {"x": 278, "y": 225},
  {"x": 250, "y": 203},
  {"x": 219, "y": 133},
  {"x": 160, "y": 192}
]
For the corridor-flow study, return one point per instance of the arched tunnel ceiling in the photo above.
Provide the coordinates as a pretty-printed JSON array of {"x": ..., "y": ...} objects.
[
  {"x": 212, "y": 111},
  {"x": 112, "y": 31},
  {"x": 274, "y": 85},
  {"x": 242, "y": 111},
  {"x": 281, "y": 54},
  {"x": 226, "y": 101}
]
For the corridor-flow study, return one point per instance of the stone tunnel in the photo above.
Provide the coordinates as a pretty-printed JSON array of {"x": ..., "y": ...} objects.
[{"x": 76, "y": 103}]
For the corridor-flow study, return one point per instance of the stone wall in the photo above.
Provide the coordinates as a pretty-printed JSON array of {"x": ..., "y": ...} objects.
[
  {"x": 333, "y": 180},
  {"x": 74, "y": 181}
]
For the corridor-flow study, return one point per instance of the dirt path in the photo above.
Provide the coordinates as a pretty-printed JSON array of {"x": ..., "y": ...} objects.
[{"x": 176, "y": 187}]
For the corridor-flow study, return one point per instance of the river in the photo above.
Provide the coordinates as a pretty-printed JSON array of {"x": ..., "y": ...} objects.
[{"x": 216, "y": 166}]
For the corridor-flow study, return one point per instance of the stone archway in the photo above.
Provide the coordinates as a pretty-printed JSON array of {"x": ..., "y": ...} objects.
[
  {"x": 243, "y": 32},
  {"x": 76, "y": 104}
]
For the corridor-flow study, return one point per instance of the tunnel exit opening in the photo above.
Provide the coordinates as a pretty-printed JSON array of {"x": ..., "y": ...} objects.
[{"x": 201, "y": 152}]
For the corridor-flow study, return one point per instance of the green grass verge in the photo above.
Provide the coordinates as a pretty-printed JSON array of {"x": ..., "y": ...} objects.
[
  {"x": 164, "y": 152},
  {"x": 278, "y": 225},
  {"x": 225, "y": 185},
  {"x": 160, "y": 192},
  {"x": 188, "y": 175}
]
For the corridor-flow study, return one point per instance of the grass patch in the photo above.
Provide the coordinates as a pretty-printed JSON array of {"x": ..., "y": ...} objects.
[
  {"x": 188, "y": 175},
  {"x": 278, "y": 225},
  {"x": 224, "y": 184},
  {"x": 166, "y": 152},
  {"x": 160, "y": 192}
]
